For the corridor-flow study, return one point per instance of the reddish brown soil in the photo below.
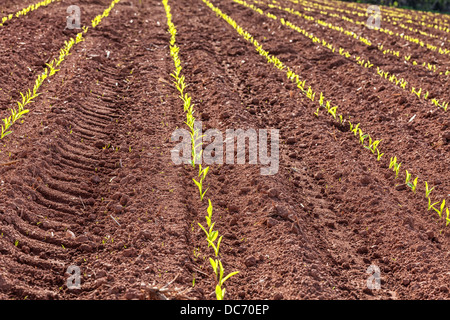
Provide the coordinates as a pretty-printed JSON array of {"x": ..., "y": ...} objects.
[{"x": 308, "y": 232}]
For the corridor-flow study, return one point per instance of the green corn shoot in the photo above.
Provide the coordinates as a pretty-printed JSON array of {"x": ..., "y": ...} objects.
[
  {"x": 441, "y": 210},
  {"x": 379, "y": 155},
  {"x": 413, "y": 185},
  {"x": 431, "y": 206},
  {"x": 393, "y": 162},
  {"x": 427, "y": 190},
  {"x": 397, "y": 169},
  {"x": 408, "y": 177}
]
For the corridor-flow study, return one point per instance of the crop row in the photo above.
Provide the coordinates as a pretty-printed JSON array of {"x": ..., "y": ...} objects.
[
  {"x": 395, "y": 53},
  {"x": 48, "y": 72},
  {"x": 359, "y": 60},
  {"x": 308, "y": 6},
  {"x": 25, "y": 11},
  {"x": 310, "y": 93},
  {"x": 212, "y": 236},
  {"x": 437, "y": 22},
  {"x": 434, "y": 67},
  {"x": 364, "y": 63}
]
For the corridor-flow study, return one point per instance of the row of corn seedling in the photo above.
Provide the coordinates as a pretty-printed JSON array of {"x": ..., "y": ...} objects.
[
  {"x": 372, "y": 144},
  {"x": 25, "y": 11},
  {"x": 49, "y": 71},
  {"x": 365, "y": 63},
  {"x": 440, "y": 70},
  {"x": 322, "y": 9},
  {"x": 437, "y": 23},
  {"x": 212, "y": 236}
]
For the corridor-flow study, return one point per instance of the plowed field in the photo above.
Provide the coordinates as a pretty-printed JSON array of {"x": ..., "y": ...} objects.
[{"x": 87, "y": 178}]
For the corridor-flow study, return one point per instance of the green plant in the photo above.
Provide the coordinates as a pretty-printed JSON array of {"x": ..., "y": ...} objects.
[
  {"x": 408, "y": 177},
  {"x": 211, "y": 235},
  {"x": 219, "y": 272},
  {"x": 413, "y": 185},
  {"x": 379, "y": 155},
  {"x": 397, "y": 169},
  {"x": 441, "y": 209},
  {"x": 202, "y": 175},
  {"x": 317, "y": 112},
  {"x": 427, "y": 190},
  {"x": 431, "y": 206},
  {"x": 355, "y": 129},
  {"x": 392, "y": 162}
]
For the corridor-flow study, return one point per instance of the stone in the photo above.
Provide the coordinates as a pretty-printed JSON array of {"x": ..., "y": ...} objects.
[{"x": 250, "y": 262}]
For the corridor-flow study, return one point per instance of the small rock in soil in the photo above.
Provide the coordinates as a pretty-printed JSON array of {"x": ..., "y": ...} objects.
[
  {"x": 365, "y": 180},
  {"x": 291, "y": 140},
  {"x": 146, "y": 234},
  {"x": 117, "y": 209},
  {"x": 250, "y": 262},
  {"x": 86, "y": 247},
  {"x": 271, "y": 222},
  {"x": 273, "y": 193},
  {"x": 330, "y": 225},
  {"x": 318, "y": 176},
  {"x": 95, "y": 179},
  {"x": 282, "y": 211},
  {"x": 124, "y": 200},
  {"x": 362, "y": 250},
  {"x": 70, "y": 235},
  {"x": 278, "y": 296},
  {"x": 82, "y": 239}
]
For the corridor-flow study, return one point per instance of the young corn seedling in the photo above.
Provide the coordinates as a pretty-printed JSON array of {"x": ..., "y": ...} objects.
[
  {"x": 355, "y": 130},
  {"x": 408, "y": 177},
  {"x": 430, "y": 205},
  {"x": 310, "y": 94},
  {"x": 202, "y": 175},
  {"x": 362, "y": 136},
  {"x": 321, "y": 98},
  {"x": 441, "y": 209},
  {"x": 53, "y": 70},
  {"x": 333, "y": 111},
  {"x": 447, "y": 218},
  {"x": 396, "y": 169},
  {"x": 372, "y": 146},
  {"x": 211, "y": 235},
  {"x": 216, "y": 264},
  {"x": 317, "y": 112},
  {"x": 413, "y": 184},
  {"x": 196, "y": 156},
  {"x": 393, "y": 162},
  {"x": 427, "y": 190},
  {"x": 219, "y": 272},
  {"x": 379, "y": 155}
]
